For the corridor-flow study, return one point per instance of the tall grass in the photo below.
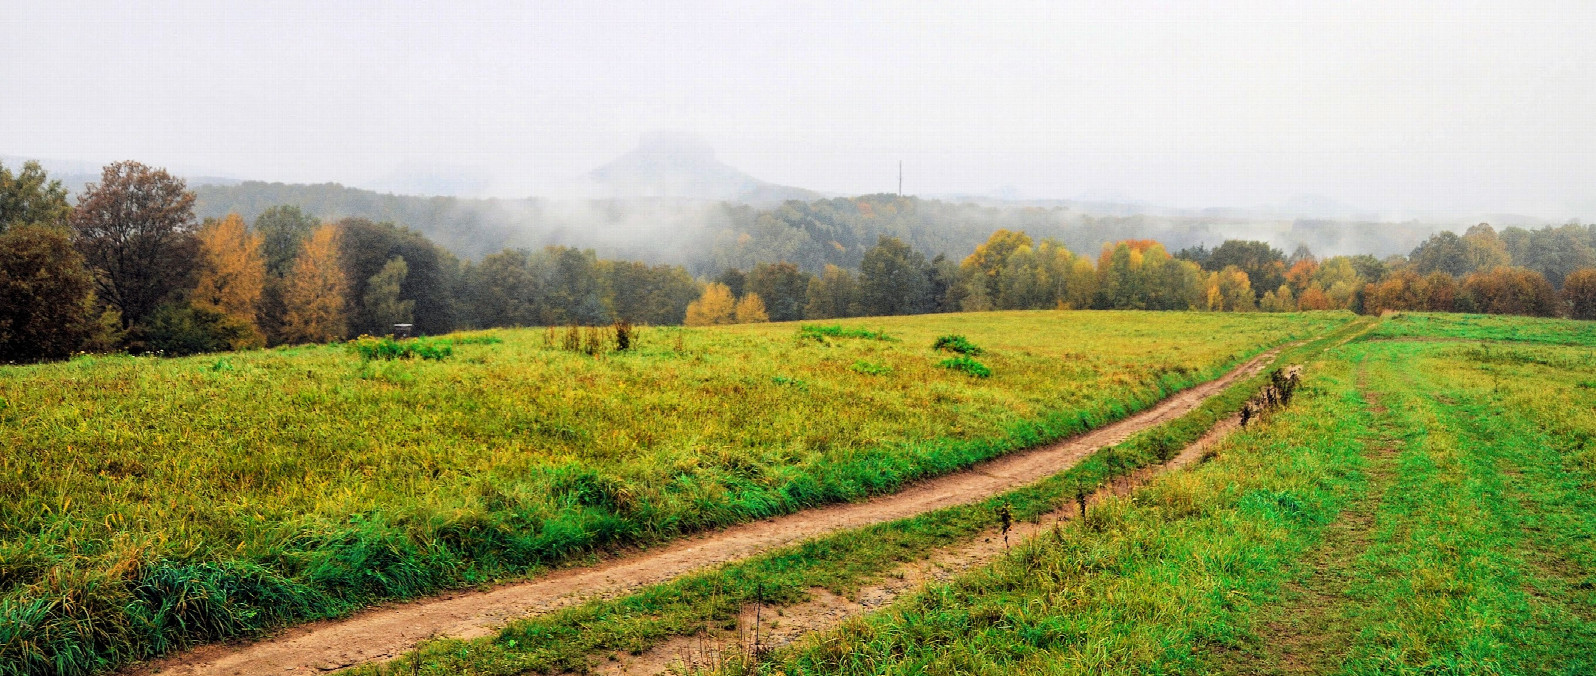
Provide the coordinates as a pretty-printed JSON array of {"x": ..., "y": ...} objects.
[{"x": 147, "y": 504}]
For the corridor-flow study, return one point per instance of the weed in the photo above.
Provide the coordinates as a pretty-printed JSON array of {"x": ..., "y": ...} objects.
[
  {"x": 822, "y": 332},
  {"x": 956, "y": 343},
  {"x": 369, "y": 348},
  {"x": 871, "y": 368},
  {"x": 967, "y": 365},
  {"x": 624, "y": 334}
]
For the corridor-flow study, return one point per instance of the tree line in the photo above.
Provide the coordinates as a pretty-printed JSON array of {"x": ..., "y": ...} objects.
[{"x": 129, "y": 267}]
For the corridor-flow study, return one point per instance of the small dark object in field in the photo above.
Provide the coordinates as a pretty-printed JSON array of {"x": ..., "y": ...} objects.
[
  {"x": 1080, "y": 504},
  {"x": 1005, "y": 515},
  {"x": 623, "y": 335},
  {"x": 1277, "y": 394}
]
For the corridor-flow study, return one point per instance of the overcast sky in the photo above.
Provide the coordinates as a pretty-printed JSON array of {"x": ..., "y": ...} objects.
[{"x": 1448, "y": 106}]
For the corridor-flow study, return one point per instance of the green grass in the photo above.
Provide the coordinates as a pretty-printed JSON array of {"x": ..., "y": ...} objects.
[
  {"x": 1142, "y": 585},
  {"x": 147, "y": 504},
  {"x": 1423, "y": 507},
  {"x": 1488, "y": 327},
  {"x": 574, "y": 639}
]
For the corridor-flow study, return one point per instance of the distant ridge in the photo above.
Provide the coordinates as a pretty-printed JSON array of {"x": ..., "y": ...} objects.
[{"x": 673, "y": 165}]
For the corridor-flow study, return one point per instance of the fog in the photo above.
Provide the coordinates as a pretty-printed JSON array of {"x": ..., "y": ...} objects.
[{"x": 1374, "y": 111}]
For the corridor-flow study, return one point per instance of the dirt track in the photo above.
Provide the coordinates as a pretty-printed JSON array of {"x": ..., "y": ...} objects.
[{"x": 387, "y": 631}]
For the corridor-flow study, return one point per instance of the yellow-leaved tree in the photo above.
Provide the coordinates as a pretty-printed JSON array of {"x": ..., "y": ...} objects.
[
  {"x": 315, "y": 292},
  {"x": 751, "y": 310},
  {"x": 714, "y": 306},
  {"x": 232, "y": 273}
]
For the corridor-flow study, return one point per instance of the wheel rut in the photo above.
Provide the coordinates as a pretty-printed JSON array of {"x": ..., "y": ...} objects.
[{"x": 385, "y": 632}]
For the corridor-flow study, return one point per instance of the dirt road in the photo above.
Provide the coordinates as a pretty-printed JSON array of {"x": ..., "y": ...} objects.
[{"x": 387, "y": 631}]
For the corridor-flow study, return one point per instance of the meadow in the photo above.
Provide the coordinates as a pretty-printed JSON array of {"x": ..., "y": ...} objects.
[
  {"x": 147, "y": 504},
  {"x": 1424, "y": 506}
]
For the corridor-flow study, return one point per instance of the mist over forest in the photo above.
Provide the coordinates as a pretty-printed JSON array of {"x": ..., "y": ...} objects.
[{"x": 708, "y": 236}]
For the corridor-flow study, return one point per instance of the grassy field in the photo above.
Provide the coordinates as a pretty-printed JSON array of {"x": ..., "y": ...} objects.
[
  {"x": 578, "y": 638},
  {"x": 1425, "y": 506},
  {"x": 146, "y": 504}
]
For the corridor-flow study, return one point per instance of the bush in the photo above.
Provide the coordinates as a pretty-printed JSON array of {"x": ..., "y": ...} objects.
[
  {"x": 957, "y": 343},
  {"x": 967, "y": 365},
  {"x": 178, "y": 329},
  {"x": 871, "y": 368},
  {"x": 369, "y": 348},
  {"x": 816, "y": 332}
]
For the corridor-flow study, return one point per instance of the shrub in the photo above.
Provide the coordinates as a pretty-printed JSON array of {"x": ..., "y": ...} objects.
[
  {"x": 870, "y": 368},
  {"x": 818, "y": 332},
  {"x": 957, "y": 343},
  {"x": 967, "y": 365},
  {"x": 369, "y": 348},
  {"x": 179, "y": 329}
]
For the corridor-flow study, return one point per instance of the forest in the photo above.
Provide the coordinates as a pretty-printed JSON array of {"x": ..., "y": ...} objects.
[{"x": 129, "y": 266}]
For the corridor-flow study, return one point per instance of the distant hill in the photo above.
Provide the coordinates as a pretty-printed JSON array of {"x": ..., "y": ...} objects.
[{"x": 679, "y": 166}]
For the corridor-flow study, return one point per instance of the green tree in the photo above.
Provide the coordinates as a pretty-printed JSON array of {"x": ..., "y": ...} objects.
[
  {"x": 46, "y": 294},
  {"x": 135, "y": 229},
  {"x": 782, "y": 287},
  {"x": 644, "y": 294},
  {"x": 382, "y": 299},
  {"x": 283, "y": 230},
  {"x": 366, "y": 247},
  {"x": 503, "y": 290},
  {"x": 29, "y": 196},
  {"x": 1442, "y": 252},
  {"x": 892, "y": 279},
  {"x": 832, "y": 294},
  {"x": 1265, "y": 265}
]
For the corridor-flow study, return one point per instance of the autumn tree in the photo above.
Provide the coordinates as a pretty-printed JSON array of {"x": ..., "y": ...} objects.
[
  {"x": 46, "y": 293},
  {"x": 1512, "y": 291},
  {"x": 1265, "y": 265},
  {"x": 990, "y": 256},
  {"x": 1230, "y": 290},
  {"x": 714, "y": 306},
  {"x": 1579, "y": 293},
  {"x": 30, "y": 196},
  {"x": 751, "y": 309},
  {"x": 232, "y": 274},
  {"x": 315, "y": 290},
  {"x": 135, "y": 229}
]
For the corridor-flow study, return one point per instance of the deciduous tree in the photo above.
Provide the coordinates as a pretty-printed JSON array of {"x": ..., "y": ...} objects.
[
  {"x": 382, "y": 299},
  {"x": 232, "y": 275},
  {"x": 751, "y": 309},
  {"x": 315, "y": 292},
  {"x": 46, "y": 309},
  {"x": 135, "y": 229},
  {"x": 29, "y": 196},
  {"x": 714, "y": 306},
  {"x": 1579, "y": 293}
]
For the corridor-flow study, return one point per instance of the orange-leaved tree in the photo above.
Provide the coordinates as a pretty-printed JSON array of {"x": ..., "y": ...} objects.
[
  {"x": 316, "y": 291},
  {"x": 1579, "y": 292},
  {"x": 751, "y": 310},
  {"x": 232, "y": 273},
  {"x": 715, "y": 306}
]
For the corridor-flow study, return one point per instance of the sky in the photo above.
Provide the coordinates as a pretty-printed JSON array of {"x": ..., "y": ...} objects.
[{"x": 1392, "y": 106}]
